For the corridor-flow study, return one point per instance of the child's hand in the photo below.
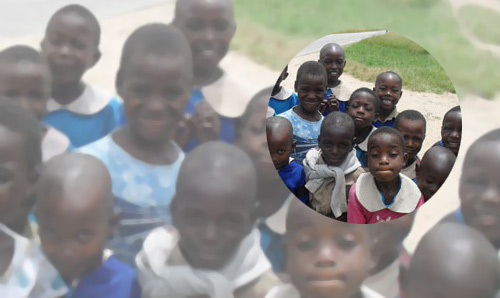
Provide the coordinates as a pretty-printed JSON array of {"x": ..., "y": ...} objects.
[
  {"x": 332, "y": 103},
  {"x": 184, "y": 131},
  {"x": 206, "y": 123}
]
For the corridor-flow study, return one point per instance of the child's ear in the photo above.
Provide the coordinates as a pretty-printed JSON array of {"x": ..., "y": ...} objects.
[
  {"x": 405, "y": 158},
  {"x": 295, "y": 85},
  {"x": 119, "y": 82},
  {"x": 96, "y": 58},
  {"x": 294, "y": 144},
  {"x": 113, "y": 224}
]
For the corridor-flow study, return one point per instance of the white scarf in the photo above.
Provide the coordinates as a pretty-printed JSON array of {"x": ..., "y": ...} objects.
[
  {"x": 158, "y": 279},
  {"x": 316, "y": 174},
  {"x": 289, "y": 291},
  {"x": 369, "y": 196}
]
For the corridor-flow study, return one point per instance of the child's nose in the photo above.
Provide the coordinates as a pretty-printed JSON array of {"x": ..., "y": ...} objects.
[
  {"x": 491, "y": 195},
  {"x": 326, "y": 257}
]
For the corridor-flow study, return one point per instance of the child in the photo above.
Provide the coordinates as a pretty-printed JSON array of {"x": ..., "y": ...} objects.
[
  {"x": 390, "y": 256},
  {"x": 478, "y": 191},
  {"x": 154, "y": 80},
  {"x": 74, "y": 209},
  {"x": 282, "y": 98},
  {"x": 434, "y": 168},
  {"x": 333, "y": 168},
  {"x": 25, "y": 77},
  {"x": 272, "y": 193},
  {"x": 384, "y": 193},
  {"x": 388, "y": 87},
  {"x": 214, "y": 250},
  {"x": 20, "y": 157},
  {"x": 412, "y": 126},
  {"x": 332, "y": 57},
  {"x": 306, "y": 119},
  {"x": 71, "y": 45},
  {"x": 451, "y": 130},
  {"x": 363, "y": 107},
  {"x": 434, "y": 273},
  {"x": 280, "y": 140},
  {"x": 324, "y": 258},
  {"x": 218, "y": 96},
  {"x": 24, "y": 270}
]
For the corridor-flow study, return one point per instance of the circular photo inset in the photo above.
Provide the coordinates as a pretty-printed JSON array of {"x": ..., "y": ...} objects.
[{"x": 363, "y": 127}]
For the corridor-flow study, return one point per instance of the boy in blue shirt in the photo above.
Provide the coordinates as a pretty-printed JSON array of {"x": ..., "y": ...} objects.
[
  {"x": 388, "y": 87},
  {"x": 281, "y": 144},
  {"x": 71, "y": 45},
  {"x": 74, "y": 210},
  {"x": 282, "y": 99}
]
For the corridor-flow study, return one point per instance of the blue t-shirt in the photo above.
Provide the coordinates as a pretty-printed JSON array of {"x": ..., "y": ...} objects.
[
  {"x": 295, "y": 179},
  {"x": 283, "y": 101},
  {"x": 342, "y": 104},
  {"x": 142, "y": 191},
  {"x": 112, "y": 279},
  {"x": 272, "y": 245},
  {"x": 305, "y": 133},
  {"x": 227, "y": 125}
]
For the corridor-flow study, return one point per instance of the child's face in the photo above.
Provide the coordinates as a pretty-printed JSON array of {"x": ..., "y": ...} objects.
[
  {"x": 27, "y": 83},
  {"x": 480, "y": 190},
  {"x": 362, "y": 110},
  {"x": 70, "y": 47},
  {"x": 335, "y": 144},
  {"x": 252, "y": 139},
  {"x": 413, "y": 132},
  {"x": 16, "y": 180},
  {"x": 311, "y": 90},
  {"x": 326, "y": 258},
  {"x": 389, "y": 91},
  {"x": 431, "y": 175},
  {"x": 209, "y": 27},
  {"x": 334, "y": 63},
  {"x": 451, "y": 131},
  {"x": 73, "y": 235},
  {"x": 280, "y": 148},
  {"x": 155, "y": 90},
  {"x": 385, "y": 157},
  {"x": 211, "y": 224}
]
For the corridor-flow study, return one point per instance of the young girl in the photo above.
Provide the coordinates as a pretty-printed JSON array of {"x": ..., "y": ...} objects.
[
  {"x": 384, "y": 193},
  {"x": 154, "y": 80},
  {"x": 306, "y": 119}
]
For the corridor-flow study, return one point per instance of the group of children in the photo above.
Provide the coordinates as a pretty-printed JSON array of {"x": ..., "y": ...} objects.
[
  {"x": 140, "y": 194},
  {"x": 354, "y": 157}
]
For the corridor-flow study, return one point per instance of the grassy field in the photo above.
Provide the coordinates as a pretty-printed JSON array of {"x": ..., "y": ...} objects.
[
  {"x": 273, "y": 31},
  {"x": 482, "y": 22},
  {"x": 420, "y": 71}
]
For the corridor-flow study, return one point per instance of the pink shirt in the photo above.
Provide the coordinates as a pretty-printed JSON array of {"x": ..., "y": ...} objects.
[{"x": 358, "y": 213}]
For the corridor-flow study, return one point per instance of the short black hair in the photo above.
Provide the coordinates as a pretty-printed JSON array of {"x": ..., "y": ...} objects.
[
  {"x": 328, "y": 46},
  {"x": 83, "y": 12},
  {"x": 155, "y": 38},
  {"x": 17, "y": 53},
  {"x": 337, "y": 119},
  {"x": 452, "y": 110},
  {"x": 386, "y": 73},
  {"x": 279, "y": 125},
  {"x": 388, "y": 130},
  {"x": 376, "y": 100},
  {"x": 251, "y": 109},
  {"x": 410, "y": 115},
  {"x": 19, "y": 120},
  {"x": 311, "y": 68}
]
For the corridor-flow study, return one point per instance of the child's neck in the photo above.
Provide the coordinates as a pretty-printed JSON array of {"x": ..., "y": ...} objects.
[
  {"x": 385, "y": 113},
  {"x": 67, "y": 93},
  {"x": 204, "y": 77},
  {"x": 7, "y": 246},
  {"x": 333, "y": 84},
  {"x": 389, "y": 189},
  {"x": 360, "y": 134},
  {"x": 162, "y": 153},
  {"x": 309, "y": 116},
  {"x": 276, "y": 90}
]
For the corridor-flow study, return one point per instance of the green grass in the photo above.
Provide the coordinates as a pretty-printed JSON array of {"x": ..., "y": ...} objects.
[
  {"x": 420, "y": 71},
  {"x": 288, "y": 26},
  {"x": 482, "y": 22}
]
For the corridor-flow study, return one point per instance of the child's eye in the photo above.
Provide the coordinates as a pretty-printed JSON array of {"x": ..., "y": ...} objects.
[
  {"x": 79, "y": 45},
  {"x": 5, "y": 176},
  {"x": 221, "y": 25},
  {"x": 346, "y": 244},
  {"x": 230, "y": 221},
  {"x": 395, "y": 90},
  {"x": 306, "y": 245},
  {"x": 195, "y": 25},
  {"x": 281, "y": 152},
  {"x": 174, "y": 93},
  {"x": 55, "y": 40},
  {"x": 140, "y": 90}
]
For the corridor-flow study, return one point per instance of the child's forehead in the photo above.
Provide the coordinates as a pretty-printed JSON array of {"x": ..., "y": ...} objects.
[
  {"x": 384, "y": 140},
  {"x": 308, "y": 78},
  {"x": 185, "y": 7},
  {"x": 364, "y": 96},
  {"x": 413, "y": 123},
  {"x": 455, "y": 117},
  {"x": 337, "y": 130},
  {"x": 66, "y": 19},
  {"x": 388, "y": 79}
]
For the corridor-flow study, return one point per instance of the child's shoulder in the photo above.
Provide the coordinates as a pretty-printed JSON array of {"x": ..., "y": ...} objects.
[{"x": 284, "y": 94}]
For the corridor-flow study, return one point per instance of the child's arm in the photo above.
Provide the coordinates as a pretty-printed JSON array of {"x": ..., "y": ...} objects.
[{"x": 355, "y": 212}]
